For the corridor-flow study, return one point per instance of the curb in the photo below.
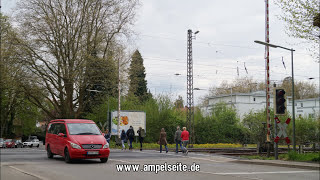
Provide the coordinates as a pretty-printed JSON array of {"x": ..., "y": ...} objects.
[{"x": 265, "y": 162}]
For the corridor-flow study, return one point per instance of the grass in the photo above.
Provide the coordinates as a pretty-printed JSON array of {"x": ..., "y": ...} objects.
[
  {"x": 307, "y": 157},
  {"x": 291, "y": 156}
]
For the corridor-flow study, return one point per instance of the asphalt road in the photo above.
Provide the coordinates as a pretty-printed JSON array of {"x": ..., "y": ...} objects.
[{"x": 32, "y": 163}]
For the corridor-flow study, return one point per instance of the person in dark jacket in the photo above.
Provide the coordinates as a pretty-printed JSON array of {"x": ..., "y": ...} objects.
[
  {"x": 163, "y": 140},
  {"x": 130, "y": 134},
  {"x": 141, "y": 132},
  {"x": 177, "y": 139},
  {"x": 123, "y": 138},
  {"x": 107, "y": 136}
]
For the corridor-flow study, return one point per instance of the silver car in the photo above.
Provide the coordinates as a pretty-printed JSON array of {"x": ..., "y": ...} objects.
[{"x": 2, "y": 145}]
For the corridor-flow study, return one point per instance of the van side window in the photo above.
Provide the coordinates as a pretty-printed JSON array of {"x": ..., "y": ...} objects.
[
  {"x": 51, "y": 128},
  {"x": 62, "y": 129},
  {"x": 57, "y": 129}
]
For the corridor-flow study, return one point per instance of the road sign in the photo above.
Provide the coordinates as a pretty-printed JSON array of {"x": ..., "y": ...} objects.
[{"x": 282, "y": 131}]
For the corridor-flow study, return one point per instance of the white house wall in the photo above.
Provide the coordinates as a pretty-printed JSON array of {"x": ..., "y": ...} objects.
[{"x": 246, "y": 102}]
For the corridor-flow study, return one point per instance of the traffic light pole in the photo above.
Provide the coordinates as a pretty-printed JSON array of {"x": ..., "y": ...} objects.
[
  {"x": 275, "y": 135},
  {"x": 293, "y": 109}
]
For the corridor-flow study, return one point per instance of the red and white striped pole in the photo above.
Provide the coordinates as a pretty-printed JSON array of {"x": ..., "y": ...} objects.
[{"x": 267, "y": 72}]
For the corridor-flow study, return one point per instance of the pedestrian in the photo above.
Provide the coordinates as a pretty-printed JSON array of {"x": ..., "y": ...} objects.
[
  {"x": 141, "y": 132},
  {"x": 177, "y": 138},
  {"x": 107, "y": 136},
  {"x": 130, "y": 134},
  {"x": 163, "y": 140},
  {"x": 185, "y": 139},
  {"x": 123, "y": 139}
]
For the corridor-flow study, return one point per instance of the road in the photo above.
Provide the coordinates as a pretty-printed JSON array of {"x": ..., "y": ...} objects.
[{"x": 32, "y": 163}]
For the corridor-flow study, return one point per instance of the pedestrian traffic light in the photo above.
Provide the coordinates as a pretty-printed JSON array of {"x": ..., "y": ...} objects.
[{"x": 280, "y": 102}]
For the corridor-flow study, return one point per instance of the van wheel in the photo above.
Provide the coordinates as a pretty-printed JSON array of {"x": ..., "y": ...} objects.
[
  {"x": 49, "y": 153},
  {"x": 103, "y": 160},
  {"x": 31, "y": 145},
  {"x": 67, "y": 158},
  {"x": 38, "y": 146}
]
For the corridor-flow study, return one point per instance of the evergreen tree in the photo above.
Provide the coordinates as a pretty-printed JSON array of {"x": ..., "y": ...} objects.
[{"x": 137, "y": 75}]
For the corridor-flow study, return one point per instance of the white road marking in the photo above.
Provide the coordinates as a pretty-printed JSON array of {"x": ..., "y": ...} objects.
[
  {"x": 121, "y": 161},
  {"x": 28, "y": 173},
  {"x": 189, "y": 157},
  {"x": 273, "y": 172}
]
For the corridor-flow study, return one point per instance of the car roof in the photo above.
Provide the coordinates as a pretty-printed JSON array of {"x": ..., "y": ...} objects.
[{"x": 72, "y": 121}]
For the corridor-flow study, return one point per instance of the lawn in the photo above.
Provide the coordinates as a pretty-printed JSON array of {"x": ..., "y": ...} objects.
[{"x": 291, "y": 156}]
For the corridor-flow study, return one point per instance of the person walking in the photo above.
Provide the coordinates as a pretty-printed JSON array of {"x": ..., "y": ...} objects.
[
  {"x": 141, "y": 132},
  {"x": 163, "y": 140},
  {"x": 130, "y": 134},
  {"x": 107, "y": 136},
  {"x": 123, "y": 138},
  {"x": 185, "y": 139},
  {"x": 177, "y": 138}
]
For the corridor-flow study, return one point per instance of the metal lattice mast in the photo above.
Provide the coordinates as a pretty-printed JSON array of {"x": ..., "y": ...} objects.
[{"x": 190, "y": 106}]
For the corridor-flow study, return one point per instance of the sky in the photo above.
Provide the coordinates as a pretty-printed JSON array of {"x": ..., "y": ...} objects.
[{"x": 224, "y": 44}]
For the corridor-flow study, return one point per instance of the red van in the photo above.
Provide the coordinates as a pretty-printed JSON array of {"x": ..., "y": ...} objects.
[{"x": 76, "y": 139}]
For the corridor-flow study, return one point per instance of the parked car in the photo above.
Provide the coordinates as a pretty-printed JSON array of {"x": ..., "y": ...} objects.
[
  {"x": 76, "y": 139},
  {"x": 18, "y": 143},
  {"x": 9, "y": 143},
  {"x": 31, "y": 143},
  {"x": 2, "y": 145}
]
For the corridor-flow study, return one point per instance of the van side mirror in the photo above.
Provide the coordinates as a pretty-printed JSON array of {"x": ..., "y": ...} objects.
[{"x": 62, "y": 135}]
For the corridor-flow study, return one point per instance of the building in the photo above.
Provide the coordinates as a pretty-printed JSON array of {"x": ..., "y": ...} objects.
[{"x": 255, "y": 101}]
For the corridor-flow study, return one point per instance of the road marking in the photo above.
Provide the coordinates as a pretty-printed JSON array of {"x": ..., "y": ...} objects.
[
  {"x": 240, "y": 177},
  {"x": 28, "y": 173},
  {"x": 189, "y": 157},
  {"x": 251, "y": 173},
  {"x": 121, "y": 161}
]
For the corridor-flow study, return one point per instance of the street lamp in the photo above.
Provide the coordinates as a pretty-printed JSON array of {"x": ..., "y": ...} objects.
[{"x": 293, "y": 111}]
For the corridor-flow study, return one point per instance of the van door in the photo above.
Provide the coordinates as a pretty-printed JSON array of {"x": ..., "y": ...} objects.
[
  {"x": 50, "y": 138},
  {"x": 61, "y": 140}
]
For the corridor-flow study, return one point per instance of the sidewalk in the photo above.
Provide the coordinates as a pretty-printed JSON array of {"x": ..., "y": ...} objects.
[{"x": 281, "y": 163}]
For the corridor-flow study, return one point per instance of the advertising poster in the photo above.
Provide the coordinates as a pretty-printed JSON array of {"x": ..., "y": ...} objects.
[{"x": 135, "y": 119}]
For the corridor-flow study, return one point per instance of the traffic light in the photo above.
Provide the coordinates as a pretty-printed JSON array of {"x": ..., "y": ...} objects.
[{"x": 280, "y": 102}]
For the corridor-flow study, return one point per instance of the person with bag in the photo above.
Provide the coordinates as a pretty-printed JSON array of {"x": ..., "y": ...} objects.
[
  {"x": 163, "y": 140},
  {"x": 123, "y": 139},
  {"x": 177, "y": 138},
  {"x": 141, "y": 132},
  {"x": 130, "y": 134},
  {"x": 107, "y": 136},
  {"x": 185, "y": 139}
]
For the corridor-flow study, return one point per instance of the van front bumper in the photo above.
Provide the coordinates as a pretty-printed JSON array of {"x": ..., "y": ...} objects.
[{"x": 88, "y": 153}]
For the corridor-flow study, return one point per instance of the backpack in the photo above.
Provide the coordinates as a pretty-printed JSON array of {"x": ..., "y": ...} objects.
[
  {"x": 131, "y": 133},
  {"x": 142, "y": 133}
]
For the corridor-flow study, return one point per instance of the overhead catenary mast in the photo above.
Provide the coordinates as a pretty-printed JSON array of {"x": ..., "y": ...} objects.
[{"x": 267, "y": 73}]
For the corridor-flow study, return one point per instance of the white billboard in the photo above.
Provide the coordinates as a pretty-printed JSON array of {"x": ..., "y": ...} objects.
[{"x": 135, "y": 119}]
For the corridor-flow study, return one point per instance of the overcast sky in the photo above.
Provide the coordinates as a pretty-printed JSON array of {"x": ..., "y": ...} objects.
[{"x": 225, "y": 43}]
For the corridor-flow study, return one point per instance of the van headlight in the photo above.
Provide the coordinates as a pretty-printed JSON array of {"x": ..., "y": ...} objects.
[
  {"x": 106, "y": 146},
  {"x": 75, "y": 146}
]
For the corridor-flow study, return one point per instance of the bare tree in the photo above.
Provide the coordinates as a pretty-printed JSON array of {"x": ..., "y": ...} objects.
[{"x": 60, "y": 39}]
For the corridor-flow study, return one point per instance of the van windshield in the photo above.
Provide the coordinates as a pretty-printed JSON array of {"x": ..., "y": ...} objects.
[{"x": 83, "y": 129}]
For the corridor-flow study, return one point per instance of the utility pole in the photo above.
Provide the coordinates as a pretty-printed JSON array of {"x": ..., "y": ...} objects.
[
  {"x": 119, "y": 100},
  {"x": 267, "y": 78},
  {"x": 190, "y": 98}
]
